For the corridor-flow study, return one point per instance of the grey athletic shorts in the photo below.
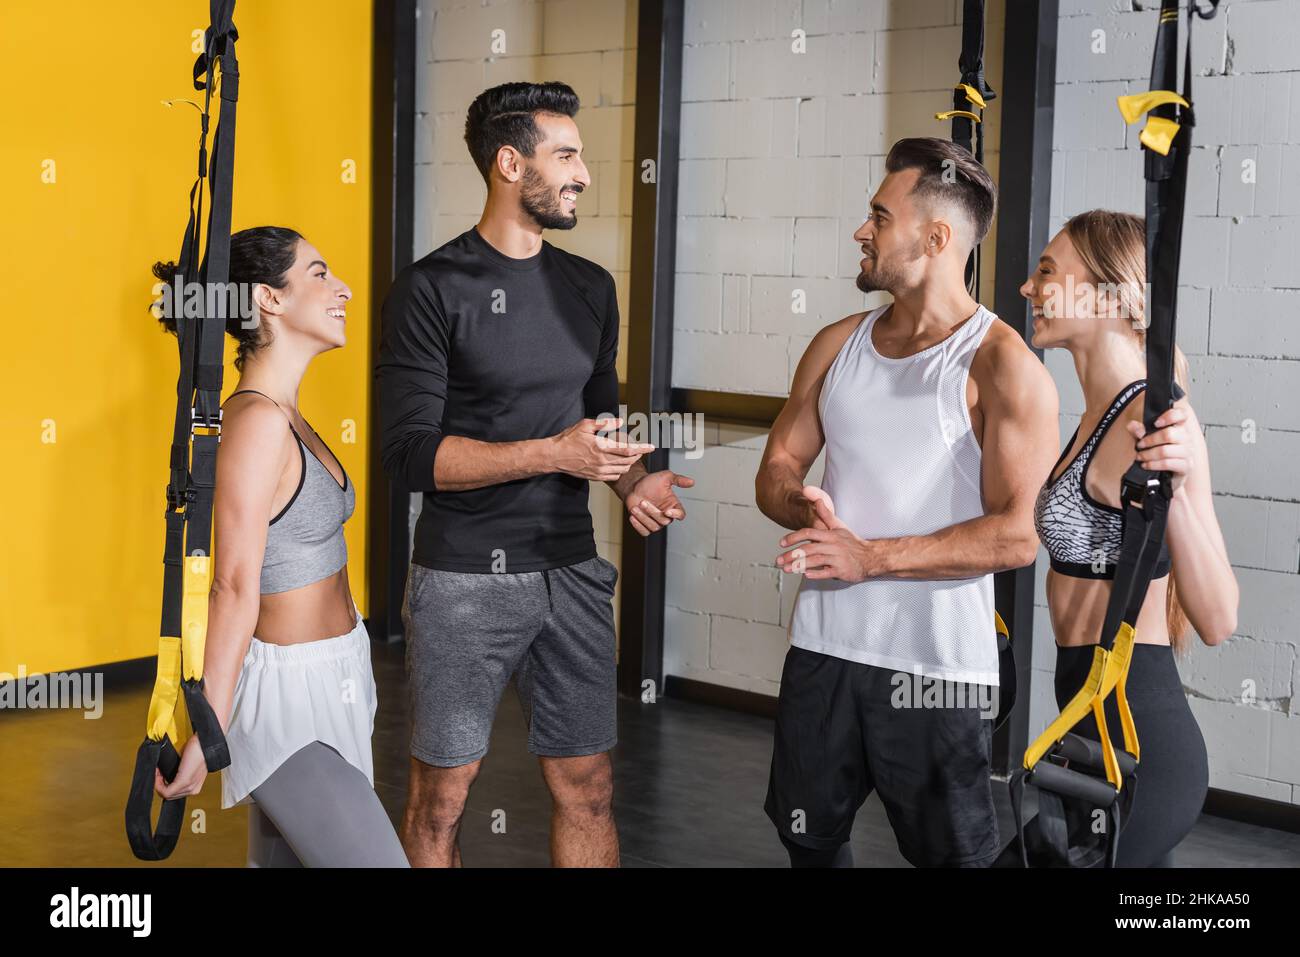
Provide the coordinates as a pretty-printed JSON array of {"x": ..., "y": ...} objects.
[{"x": 467, "y": 634}]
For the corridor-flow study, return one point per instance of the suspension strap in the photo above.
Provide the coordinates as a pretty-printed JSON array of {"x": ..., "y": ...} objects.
[{"x": 187, "y": 552}]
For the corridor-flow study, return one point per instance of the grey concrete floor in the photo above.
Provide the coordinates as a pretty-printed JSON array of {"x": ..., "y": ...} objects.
[{"x": 690, "y": 781}]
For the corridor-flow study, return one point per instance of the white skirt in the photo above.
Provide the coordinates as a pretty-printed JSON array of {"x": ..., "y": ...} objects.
[{"x": 288, "y": 696}]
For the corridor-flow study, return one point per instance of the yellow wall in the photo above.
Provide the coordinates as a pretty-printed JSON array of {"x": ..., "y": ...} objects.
[{"x": 84, "y": 363}]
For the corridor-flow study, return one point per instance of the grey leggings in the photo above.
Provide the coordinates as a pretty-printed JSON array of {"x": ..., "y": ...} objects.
[{"x": 317, "y": 810}]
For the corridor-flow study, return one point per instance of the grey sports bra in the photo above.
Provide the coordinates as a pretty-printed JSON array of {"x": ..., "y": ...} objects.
[{"x": 304, "y": 542}]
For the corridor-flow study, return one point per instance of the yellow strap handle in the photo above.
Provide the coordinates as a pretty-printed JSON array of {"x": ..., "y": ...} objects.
[
  {"x": 972, "y": 94},
  {"x": 1000, "y": 625},
  {"x": 1122, "y": 651},
  {"x": 181, "y": 658},
  {"x": 166, "y": 688},
  {"x": 194, "y": 614},
  {"x": 951, "y": 113},
  {"x": 1109, "y": 673},
  {"x": 1159, "y": 133},
  {"x": 1075, "y": 711},
  {"x": 167, "y": 713}
]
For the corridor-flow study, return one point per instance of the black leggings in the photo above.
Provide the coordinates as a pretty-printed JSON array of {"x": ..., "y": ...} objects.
[{"x": 1173, "y": 774}]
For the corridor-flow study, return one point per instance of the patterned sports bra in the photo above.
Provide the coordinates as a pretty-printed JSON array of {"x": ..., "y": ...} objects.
[{"x": 1083, "y": 536}]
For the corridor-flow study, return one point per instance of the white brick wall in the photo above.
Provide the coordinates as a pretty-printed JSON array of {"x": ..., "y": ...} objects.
[
  {"x": 779, "y": 153},
  {"x": 728, "y": 607},
  {"x": 589, "y": 44}
]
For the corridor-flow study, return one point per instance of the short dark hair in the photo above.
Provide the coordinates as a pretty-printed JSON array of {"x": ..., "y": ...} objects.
[
  {"x": 505, "y": 115},
  {"x": 968, "y": 186},
  {"x": 262, "y": 254}
]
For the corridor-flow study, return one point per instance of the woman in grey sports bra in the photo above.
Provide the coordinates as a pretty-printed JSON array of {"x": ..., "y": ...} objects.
[{"x": 287, "y": 661}]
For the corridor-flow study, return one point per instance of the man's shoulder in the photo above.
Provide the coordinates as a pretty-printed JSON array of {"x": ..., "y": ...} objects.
[
  {"x": 1005, "y": 366},
  {"x": 820, "y": 353},
  {"x": 1002, "y": 349},
  {"x": 422, "y": 278},
  {"x": 587, "y": 269},
  {"x": 451, "y": 256}
]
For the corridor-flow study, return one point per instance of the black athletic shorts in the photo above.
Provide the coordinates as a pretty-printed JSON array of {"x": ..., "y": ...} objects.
[{"x": 844, "y": 729}]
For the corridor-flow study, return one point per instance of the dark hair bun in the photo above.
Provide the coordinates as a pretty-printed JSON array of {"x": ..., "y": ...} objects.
[
  {"x": 261, "y": 255},
  {"x": 165, "y": 272}
]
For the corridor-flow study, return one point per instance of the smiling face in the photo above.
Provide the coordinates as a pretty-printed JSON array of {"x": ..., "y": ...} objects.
[
  {"x": 312, "y": 306},
  {"x": 894, "y": 238},
  {"x": 1064, "y": 297},
  {"x": 555, "y": 174}
]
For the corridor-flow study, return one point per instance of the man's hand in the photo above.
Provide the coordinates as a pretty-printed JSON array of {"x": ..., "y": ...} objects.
[
  {"x": 828, "y": 553},
  {"x": 819, "y": 510},
  {"x": 652, "y": 504},
  {"x": 579, "y": 451},
  {"x": 833, "y": 551}
]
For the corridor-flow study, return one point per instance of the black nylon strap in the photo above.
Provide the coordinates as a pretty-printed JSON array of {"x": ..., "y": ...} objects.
[
  {"x": 1053, "y": 832},
  {"x": 971, "y": 65},
  {"x": 1145, "y": 512},
  {"x": 1145, "y": 495},
  {"x": 1006, "y": 681},
  {"x": 1017, "y": 786},
  {"x": 966, "y": 133},
  {"x": 972, "y": 46},
  {"x": 1166, "y": 184},
  {"x": 147, "y": 842},
  {"x": 216, "y": 753},
  {"x": 192, "y": 460}
]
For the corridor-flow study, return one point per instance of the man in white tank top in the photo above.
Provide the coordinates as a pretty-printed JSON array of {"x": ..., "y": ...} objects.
[{"x": 940, "y": 426}]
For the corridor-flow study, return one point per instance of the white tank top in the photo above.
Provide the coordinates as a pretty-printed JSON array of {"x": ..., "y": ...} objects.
[{"x": 902, "y": 459}]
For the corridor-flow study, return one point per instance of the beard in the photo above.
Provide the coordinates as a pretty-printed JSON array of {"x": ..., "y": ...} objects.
[
  {"x": 544, "y": 204},
  {"x": 882, "y": 275}
]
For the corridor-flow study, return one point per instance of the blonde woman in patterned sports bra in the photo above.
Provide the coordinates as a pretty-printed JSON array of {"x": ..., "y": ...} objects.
[{"x": 1088, "y": 296}]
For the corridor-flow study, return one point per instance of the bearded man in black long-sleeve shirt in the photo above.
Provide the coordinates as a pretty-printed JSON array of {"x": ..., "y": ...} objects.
[{"x": 496, "y": 378}]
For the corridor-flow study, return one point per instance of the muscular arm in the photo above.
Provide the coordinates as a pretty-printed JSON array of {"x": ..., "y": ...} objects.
[
  {"x": 256, "y": 448},
  {"x": 796, "y": 438},
  {"x": 1019, "y": 405}
]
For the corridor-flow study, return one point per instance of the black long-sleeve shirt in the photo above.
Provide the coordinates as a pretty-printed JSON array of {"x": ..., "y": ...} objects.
[{"x": 481, "y": 345}]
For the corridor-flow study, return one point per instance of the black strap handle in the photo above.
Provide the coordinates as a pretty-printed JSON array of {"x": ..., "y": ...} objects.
[{"x": 149, "y": 843}]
